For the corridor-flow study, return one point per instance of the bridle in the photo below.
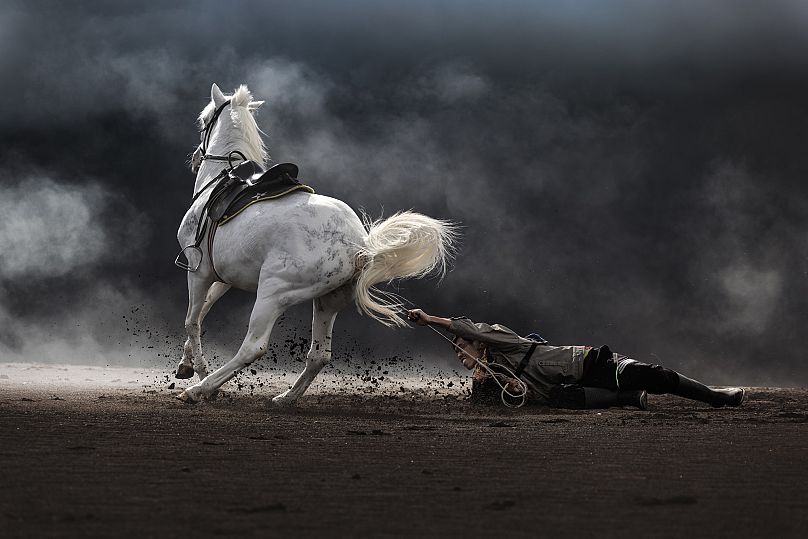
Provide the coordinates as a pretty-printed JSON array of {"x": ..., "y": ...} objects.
[
  {"x": 203, "y": 149},
  {"x": 202, "y": 224},
  {"x": 206, "y": 132}
]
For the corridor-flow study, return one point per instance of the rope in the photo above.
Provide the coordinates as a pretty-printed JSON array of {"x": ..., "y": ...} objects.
[{"x": 520, "y": 397}]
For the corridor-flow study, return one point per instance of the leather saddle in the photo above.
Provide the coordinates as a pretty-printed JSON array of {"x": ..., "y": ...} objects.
[{"x": 248, "y": 183}]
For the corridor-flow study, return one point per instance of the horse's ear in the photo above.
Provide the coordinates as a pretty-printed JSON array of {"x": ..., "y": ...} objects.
[
  {"x": 216, "y": 95},
  {"x": 254, "y": 105}
]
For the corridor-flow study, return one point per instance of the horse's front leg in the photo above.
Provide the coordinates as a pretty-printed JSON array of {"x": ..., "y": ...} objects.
[
  {"x": 268, "y": 307},
  {"x": 185, "y": 369},
  {"x": 325, "y": 312},
  {"x": 201, "y": 296}
]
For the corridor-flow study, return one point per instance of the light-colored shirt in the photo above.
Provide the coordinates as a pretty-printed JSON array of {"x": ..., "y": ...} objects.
[{"x": 548, "y": 366}]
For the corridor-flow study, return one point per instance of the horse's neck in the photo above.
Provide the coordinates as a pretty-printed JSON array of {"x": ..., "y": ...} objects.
[
  {"x": 207, "y": 171},
  {"x": 223, "y": 140},
  {"x": 220, "y": 144}
]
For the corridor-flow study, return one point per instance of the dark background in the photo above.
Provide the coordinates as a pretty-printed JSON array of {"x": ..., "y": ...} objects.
[{"x": 626, "y": 173}]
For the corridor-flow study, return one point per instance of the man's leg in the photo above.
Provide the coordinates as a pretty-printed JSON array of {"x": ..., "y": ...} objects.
[
  {"x": 633, "y": 375},
  {"x": 579, "y": 397},
  {"x": 598, "y": 388},
  {"x": 692, "y": 389},
  {"x": 598, "y": 397}
]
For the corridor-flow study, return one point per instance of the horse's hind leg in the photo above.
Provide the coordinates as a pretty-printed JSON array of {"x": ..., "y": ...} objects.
[
  {"x": 186, "y": 367},
  {"x": 325, "y": 311}
]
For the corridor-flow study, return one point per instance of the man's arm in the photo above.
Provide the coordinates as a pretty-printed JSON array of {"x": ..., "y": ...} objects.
[
  {"x": 422, "y": 319},
  {"x": 465, "y": 328}
]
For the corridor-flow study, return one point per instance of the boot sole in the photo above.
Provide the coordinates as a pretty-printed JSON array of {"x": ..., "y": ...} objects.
[{"x": 741, "y": 400}]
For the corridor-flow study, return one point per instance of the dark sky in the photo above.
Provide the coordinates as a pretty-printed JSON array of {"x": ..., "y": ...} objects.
[{"x": 629, "y": 173}]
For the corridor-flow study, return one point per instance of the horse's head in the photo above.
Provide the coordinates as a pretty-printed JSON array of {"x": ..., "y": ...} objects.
[
  {"x": 196, "y": 159},
  {"x": 227, "y": 124}
]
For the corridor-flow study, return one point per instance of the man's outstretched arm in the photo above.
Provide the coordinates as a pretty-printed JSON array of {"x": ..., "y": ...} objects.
[
  {"x": 463, "y": 327},
  {"x": 422, "y": 319}
]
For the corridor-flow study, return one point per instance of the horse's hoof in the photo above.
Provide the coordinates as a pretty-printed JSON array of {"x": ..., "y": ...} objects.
[
  {"x": 282, "y": 401},
  {"x": 184, "y": 371},
  {"x": 202, "y": 372},
  {"x": 186, "y": 398}
]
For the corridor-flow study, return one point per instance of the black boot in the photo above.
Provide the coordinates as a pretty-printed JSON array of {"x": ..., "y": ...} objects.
[
  {"x": 637, "y": 398},
  {"x": 691, "y": 389},
  {"x": 597, "y": 397}
]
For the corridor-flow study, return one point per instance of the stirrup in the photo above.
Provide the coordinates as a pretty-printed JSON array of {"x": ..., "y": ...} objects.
[{"x": 187, "y": 265}]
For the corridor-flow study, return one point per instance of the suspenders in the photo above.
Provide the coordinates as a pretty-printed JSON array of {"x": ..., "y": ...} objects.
[{"x": 526, "y": 359}]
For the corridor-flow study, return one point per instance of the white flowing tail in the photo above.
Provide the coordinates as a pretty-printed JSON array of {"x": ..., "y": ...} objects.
[{"x": 405, "y": 245}]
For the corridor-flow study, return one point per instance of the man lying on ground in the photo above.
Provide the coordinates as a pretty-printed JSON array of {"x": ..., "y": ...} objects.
[{"x": 569, "y": 376}]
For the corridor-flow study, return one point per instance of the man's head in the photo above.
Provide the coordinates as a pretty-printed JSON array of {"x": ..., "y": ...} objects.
[{"x": 468, "y": 351}]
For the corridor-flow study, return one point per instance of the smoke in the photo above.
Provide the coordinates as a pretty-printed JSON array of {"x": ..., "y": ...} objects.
[
  {"x": 746, "y": 252},
  {"x": 291, "y": 87},
  {"x": 109, "y": 323},
  {"x": 49, "y": 230},
  {"x": 752, "y": 296},
  {"x": 452, "y": 83},
  {"x": 60, "y": 246}
]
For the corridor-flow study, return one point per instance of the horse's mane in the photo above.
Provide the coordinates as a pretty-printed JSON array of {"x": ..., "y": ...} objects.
[{"x": 249, "y": 139}]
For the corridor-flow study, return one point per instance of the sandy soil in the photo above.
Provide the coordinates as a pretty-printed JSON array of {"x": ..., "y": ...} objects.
[{"x": 109, "y": 452}]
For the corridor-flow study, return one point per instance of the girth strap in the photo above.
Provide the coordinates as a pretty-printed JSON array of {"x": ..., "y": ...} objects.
[{"x": 213, "y": 227}]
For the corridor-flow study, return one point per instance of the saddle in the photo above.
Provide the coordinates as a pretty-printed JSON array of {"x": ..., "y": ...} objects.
[
  {"x": 235, "y": 189},
  {"x": 249, "y": 183}
]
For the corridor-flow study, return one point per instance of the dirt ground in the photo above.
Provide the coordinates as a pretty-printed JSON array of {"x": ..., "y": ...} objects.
[{"x": 116, "y": 458}]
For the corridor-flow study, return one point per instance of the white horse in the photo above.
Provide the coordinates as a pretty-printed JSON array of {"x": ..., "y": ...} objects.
[{"x": 299, "y": 247}]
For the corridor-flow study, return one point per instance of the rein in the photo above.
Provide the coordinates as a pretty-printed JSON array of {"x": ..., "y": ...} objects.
[{"x": 211, "y": 182}]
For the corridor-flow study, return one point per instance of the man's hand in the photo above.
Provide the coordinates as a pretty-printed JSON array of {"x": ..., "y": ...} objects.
[
  {"x": 419, "y": 317},
  {"x": 422, "y": 319},
  {"x": 513, "y": 386}
]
